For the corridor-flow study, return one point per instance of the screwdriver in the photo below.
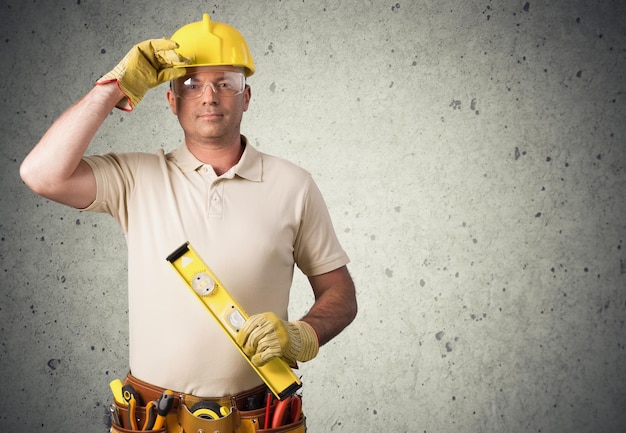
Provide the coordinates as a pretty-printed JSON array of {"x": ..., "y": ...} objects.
[{"x": 163, "y": 407}]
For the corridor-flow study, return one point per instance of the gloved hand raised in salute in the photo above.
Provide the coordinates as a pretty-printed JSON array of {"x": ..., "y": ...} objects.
[
  {"x": 145, "y": 66},
  {"x": 265, "y": 336}
]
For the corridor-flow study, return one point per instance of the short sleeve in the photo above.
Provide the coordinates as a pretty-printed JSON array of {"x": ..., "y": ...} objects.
[{"x": 317, "y": 249}]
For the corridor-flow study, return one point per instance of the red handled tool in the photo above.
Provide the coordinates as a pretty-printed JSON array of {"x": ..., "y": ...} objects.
[
  {"x": 280, "y": 412},
  {"x": 287, "y": 411},
  {"x": 268, "y": 407},
  {"x": 295, "y": 409}
]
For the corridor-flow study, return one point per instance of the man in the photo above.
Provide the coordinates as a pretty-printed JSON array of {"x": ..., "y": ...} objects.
[{"x": 250, "y": 216}]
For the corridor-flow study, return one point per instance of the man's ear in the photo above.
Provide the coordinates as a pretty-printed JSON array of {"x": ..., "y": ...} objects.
[
  {"x": 247, "y": 95},
  {"x": 171, "y": 99}
]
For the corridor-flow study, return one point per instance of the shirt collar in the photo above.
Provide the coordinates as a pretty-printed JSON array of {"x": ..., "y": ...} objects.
[{"x": 250, "y": 165}]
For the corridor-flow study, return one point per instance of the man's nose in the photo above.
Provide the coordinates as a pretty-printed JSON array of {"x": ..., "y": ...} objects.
[{"x": 209, "y": 95}]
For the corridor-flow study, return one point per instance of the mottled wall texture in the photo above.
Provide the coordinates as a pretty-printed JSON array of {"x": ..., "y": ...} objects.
[{"x": 473, "y": 157}]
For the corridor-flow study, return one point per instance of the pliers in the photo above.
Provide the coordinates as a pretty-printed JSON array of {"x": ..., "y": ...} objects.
[
  {"x": 287, "y": 411},
  {"x": 151, "y": 414},
  {"x": 132, "y": 399}
]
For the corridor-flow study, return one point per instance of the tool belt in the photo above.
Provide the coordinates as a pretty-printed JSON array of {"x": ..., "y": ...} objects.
[{"x": 246, "y": 412}]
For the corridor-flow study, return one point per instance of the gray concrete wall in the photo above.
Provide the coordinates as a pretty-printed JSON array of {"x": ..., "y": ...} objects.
[{"x": 473, "y": 158}]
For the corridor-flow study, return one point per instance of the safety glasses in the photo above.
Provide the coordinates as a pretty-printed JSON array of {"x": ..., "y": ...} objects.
[{"x": 222, "y": 83}]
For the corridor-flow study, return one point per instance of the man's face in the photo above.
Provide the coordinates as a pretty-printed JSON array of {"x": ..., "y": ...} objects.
[{"x": 209, "y": 102}]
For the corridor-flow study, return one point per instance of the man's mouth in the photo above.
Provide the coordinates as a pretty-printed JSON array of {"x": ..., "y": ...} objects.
[{"x": 210, "y": 115}]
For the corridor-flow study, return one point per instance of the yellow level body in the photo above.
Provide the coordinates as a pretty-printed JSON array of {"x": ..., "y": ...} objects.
[{"x": 212, "y": 294}]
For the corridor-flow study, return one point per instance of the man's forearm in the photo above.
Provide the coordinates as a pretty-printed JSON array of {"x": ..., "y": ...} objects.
[
  {"x": 335, "y": 305},
  {"x": 57, "y": 156}
]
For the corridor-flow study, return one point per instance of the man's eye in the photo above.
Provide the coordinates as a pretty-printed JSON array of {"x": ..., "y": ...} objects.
[{"x": 191, "y": 86}]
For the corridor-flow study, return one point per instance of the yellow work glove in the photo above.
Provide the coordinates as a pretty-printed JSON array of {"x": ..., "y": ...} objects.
[
  {"x": 264, "y": 337},
  {"x": 146, "y": 65}
]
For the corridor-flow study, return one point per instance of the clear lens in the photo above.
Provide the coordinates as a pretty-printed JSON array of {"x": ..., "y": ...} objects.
[{"x": 222, "y": 83}]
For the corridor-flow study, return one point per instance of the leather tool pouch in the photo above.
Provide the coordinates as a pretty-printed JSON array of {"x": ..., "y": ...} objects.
[
  {"x": 296, "y": 427},
  {"x": 117, "y": 429},
  {"x": 253, "y": 421},
  {"x": 140, "y": 413},
  {"x": 181, "y": 420},
  {"x": 235, "y": 422},
  {"x": 192, "y": 424}
]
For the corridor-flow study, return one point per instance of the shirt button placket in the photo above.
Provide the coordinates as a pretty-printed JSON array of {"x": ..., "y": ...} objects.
[{"x": 216, "y": 208}]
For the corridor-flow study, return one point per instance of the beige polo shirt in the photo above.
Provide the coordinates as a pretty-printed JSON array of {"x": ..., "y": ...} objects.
[{"x": 251, "y": 225}]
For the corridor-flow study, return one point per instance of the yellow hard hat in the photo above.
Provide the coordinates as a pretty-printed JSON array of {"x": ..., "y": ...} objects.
[{"x": 208, "y": 43}]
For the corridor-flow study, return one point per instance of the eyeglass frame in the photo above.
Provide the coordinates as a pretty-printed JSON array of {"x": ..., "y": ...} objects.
[{"x": 210, "y": 84}]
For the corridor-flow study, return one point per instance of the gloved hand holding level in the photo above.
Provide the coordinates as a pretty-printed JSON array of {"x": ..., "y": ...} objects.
[
  {"x": 265, "y": 336},
  {"x": 146, "y": 65}
]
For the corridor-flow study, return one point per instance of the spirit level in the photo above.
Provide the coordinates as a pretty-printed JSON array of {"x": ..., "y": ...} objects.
[{"x": 276, "y": 374}]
